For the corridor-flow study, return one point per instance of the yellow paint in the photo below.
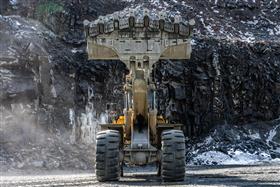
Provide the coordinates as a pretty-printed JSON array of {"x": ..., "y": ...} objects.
[
  {"x": 160, "y": 120},
  {"x": 119, "y": 121}
]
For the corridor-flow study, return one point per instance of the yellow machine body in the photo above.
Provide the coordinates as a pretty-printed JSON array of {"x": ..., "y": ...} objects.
[{"x": 139, "y": 44}]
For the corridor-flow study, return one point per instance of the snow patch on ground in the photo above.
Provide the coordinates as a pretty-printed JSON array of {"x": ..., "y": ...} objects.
[
  {"x": 232, "y": 145},
  {"x": 235, "y": 158}
]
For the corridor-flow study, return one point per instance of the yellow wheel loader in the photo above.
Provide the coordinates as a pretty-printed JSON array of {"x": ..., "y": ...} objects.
[{"x": 139, "y": 38}]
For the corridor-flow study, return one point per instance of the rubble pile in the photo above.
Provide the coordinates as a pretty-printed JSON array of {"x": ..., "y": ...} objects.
[
  {"x": 254, "y": 143},
  {"x": 52, "y": 154}
]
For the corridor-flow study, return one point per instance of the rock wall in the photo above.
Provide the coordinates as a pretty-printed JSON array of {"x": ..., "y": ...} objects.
[
  {"x": 51, "y": 98},
  {"x": 31, "y": 75},
  {"x": 224, "y": 82}
]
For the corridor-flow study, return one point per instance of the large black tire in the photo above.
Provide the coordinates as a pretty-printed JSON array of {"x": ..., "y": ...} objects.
[
  {"x": 107, "y": 156},
  {"x": 173, "y": 155}
]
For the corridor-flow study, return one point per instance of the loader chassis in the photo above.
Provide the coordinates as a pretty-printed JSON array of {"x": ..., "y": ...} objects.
[{"x": 139, "y": 38}]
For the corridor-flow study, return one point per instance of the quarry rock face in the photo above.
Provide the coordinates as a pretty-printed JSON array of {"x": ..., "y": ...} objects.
[
  {"x": 47, "y": 95},
  {"x": 45, "y": 79},
  {"x": 31, "y": 77},
  {"x": 228, "y": 81}
]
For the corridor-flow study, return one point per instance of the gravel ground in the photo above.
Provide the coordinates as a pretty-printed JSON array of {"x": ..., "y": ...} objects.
[{"x": 195, "y": 176}]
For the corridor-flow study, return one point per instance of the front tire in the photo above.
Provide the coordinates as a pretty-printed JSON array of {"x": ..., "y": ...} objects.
[
  {"x": 173, "y": 155},
  {"x": 107, "y": 156}
]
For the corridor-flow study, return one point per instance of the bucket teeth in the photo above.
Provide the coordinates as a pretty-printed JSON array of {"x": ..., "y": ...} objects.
[{"x": 148, "y": 20}]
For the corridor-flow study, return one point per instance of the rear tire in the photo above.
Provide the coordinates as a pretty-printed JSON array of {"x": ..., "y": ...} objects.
[
  {"x": 173, "y": 155},
  {"x": 107, "y": 166}
]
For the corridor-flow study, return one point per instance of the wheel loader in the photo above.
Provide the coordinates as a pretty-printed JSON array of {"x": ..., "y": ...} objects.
[{"x": 139, "y": 38}]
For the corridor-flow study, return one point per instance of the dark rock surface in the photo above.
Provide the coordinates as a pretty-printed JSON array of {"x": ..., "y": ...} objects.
[
  {"x": 32, "y": 72},
  {"x": 237, "y": 82},
  {"x": 47, "y": 95}
]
